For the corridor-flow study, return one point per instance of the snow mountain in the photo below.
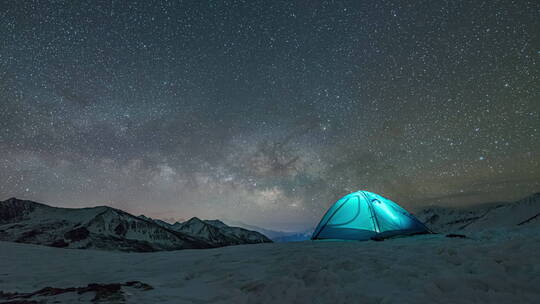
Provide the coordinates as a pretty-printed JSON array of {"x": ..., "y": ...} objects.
[
  {"x": 100, "y": 227},
  {"x": 277, "y": 236},
  {"x": 244, "y": 235},
  {"x": 524, "y": 212},
  {"x": 216, "y": 233}
]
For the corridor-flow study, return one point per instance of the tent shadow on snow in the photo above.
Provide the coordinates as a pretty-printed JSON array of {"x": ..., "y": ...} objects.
[{"x": 363, "y": 215}]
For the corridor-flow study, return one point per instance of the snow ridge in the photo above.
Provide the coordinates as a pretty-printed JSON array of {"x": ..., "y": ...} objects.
[
  {"x": 217, "y": 233},
  {"x": 104, "y": 228},
  {"x": 490, "y": 216}
]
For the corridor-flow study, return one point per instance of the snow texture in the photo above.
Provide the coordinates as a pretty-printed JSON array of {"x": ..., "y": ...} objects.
[{"x": 495, "y": 266}]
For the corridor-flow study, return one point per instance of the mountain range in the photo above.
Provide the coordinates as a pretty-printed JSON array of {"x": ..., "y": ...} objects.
[
  {"x": 108, "y": 228},
  {"x": 275, "y": 235},
  {"x": 524, "y": 212}
]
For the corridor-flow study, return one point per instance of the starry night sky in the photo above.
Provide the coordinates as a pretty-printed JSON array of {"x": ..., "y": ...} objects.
[{"x": 266, "y": 112}]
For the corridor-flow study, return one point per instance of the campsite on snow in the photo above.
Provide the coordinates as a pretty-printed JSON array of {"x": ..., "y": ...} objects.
[
  {"x": 269, "y": 151},
  {"x": 480, "y": 255}
]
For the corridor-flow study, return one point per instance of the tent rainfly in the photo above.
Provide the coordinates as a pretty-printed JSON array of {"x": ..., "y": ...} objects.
[{"x": 363, "y": 215}]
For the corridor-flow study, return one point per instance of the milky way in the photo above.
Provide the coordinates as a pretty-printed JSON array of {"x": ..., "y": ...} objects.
[{"x": 267, "y": 111}]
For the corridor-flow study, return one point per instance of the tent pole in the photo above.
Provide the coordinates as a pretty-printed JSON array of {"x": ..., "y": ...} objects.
[{"x": 370, "y": 206}]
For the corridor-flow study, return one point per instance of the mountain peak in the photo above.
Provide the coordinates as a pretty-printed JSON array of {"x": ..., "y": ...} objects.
[
  {"x": 12, "y": 200},
  {"x": 194, "y": 220},
  {"x": 17, "y": 201},
  {"x": 216, "y": 223}
]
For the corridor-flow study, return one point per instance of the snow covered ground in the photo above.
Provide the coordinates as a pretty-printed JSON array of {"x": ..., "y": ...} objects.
[{"x": 492, "y": 266}]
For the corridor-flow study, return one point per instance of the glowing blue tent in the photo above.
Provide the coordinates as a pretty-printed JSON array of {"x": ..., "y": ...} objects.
[{"x": 364, "y": 215}]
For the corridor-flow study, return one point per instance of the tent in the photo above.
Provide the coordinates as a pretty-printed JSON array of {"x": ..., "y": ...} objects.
[{"x": 364, "y": 215}]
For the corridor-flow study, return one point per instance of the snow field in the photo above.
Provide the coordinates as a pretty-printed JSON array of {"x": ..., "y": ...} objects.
[{"x": 493, "y": 266}]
